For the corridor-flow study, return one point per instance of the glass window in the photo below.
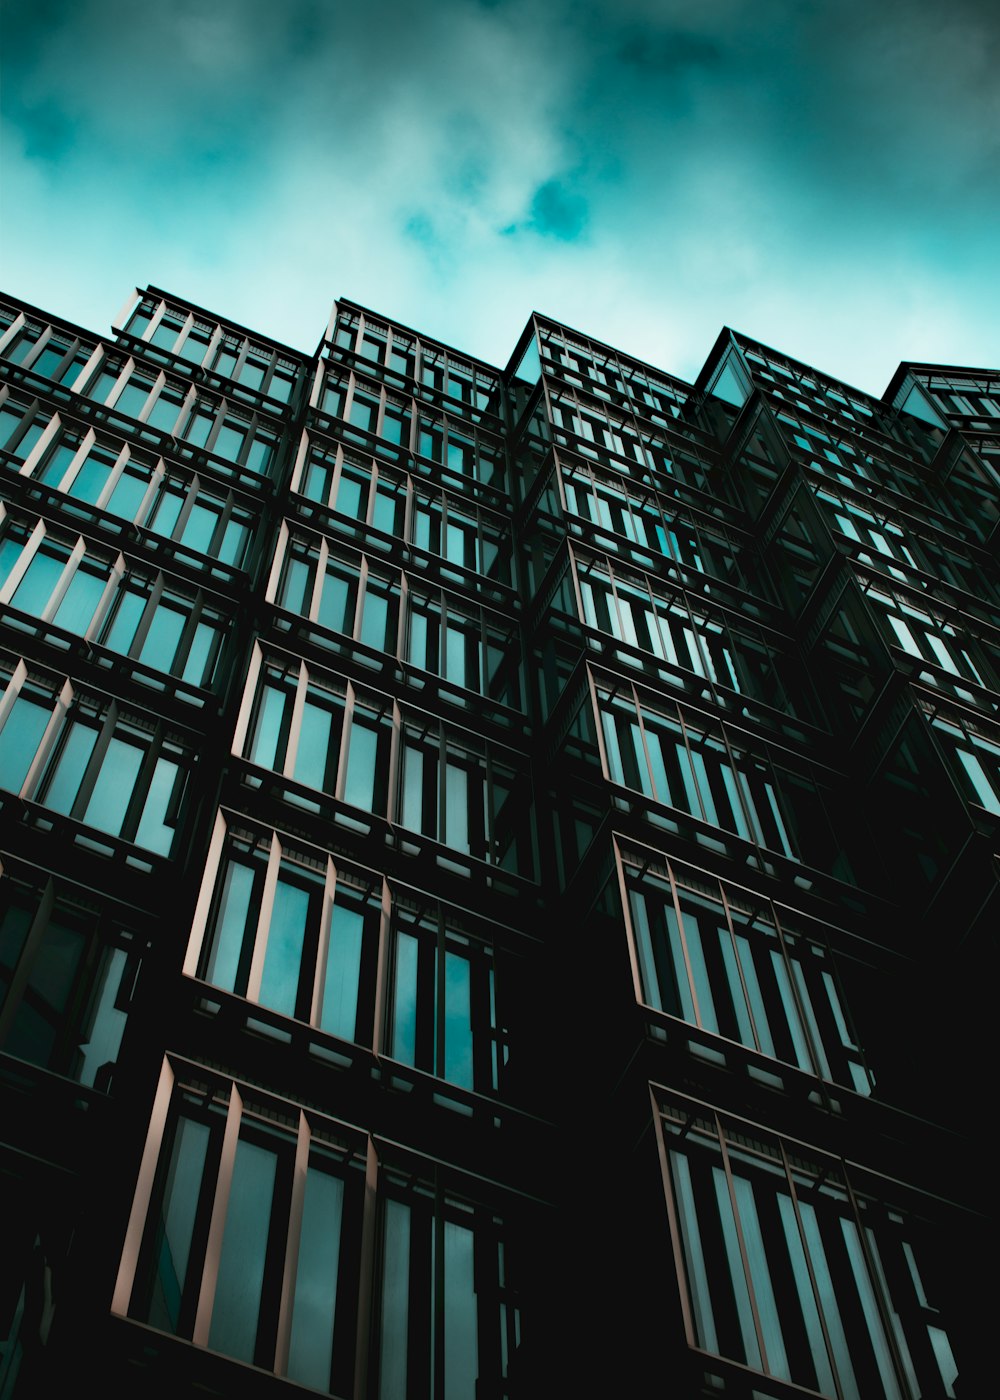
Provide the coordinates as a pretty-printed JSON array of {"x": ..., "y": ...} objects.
[
  {"x": 115, "y": 773},
  {"x": 272, "y": 1215},
  {"x": 447, "y": 1309},
  {"x": 705, "y": 956},
  {"x": 66, "y": 979},
  {"x": 289, "y": 1283},
  {"x": 303, "y": 943},
  {"x": 443, "y": 1002},
  {"x": 796, "y": 1272}
]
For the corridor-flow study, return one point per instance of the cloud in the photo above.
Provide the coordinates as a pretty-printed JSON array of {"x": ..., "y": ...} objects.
[{"x": 647, "y": 170}]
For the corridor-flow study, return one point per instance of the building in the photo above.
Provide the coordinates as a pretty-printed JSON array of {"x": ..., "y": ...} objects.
[{"x": 499, "y": 868}]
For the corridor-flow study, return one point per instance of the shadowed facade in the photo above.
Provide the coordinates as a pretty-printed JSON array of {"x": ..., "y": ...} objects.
[{"x": 498, "y": 866}]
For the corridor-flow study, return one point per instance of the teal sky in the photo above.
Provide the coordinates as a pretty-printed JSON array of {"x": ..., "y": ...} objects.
[{"x": 823, "y": 175}]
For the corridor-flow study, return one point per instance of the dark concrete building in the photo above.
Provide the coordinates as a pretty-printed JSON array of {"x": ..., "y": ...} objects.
[{"x": 499, "y": 868}]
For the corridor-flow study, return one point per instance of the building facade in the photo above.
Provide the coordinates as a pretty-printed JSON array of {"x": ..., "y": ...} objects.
[{"x": 499, "y": 867}]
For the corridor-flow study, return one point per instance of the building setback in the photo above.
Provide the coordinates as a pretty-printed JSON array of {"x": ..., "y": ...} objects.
[{"x": 499, "y": 868}]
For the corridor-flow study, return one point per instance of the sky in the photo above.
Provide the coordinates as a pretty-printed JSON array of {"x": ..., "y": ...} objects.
[{"x": 823, "y": 175}]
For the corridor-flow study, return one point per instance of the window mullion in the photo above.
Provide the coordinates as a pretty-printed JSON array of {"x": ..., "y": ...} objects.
[
  {"x": 296, "y": 1210},
  {"x": 29, "y": 549},
  {"x": 49, "y": 738},
  {"x": 323, "y": 948},
  {"x": 751, "y": 1294},
  {"x": 199, "y": 923},
  {"x": 685, "y": 951},
  {"x": 216, "y": 1229},
  {"x": 295, "y": 724},
  {"x": 256, "y": 974}
]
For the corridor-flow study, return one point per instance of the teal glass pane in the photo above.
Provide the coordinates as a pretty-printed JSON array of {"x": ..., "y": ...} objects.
[
  {"x": 252, "y": 374},
  {"x": 71, "y": 764},
  {"x": 395, "y": 1303},
  {"x": 163, "y": 638},
  {"x": 297, "y": 580},
  {"x": 113, "y": 788},
  {"x": 166, "y": 511},
  {"x": 199, "y": 666},
  {"x": 19, "y": 740},
  {"x": 128, "y": 495},
  {"x": 132, "y": 399},
  {"x": 349, "y": 495},
  {"x": 458, "y": 1065},
  {"x": 456, "y": 832},
  {"x": 261, "y": 455},
  {"x": 264, "y": 746},
  {"x": 56, "y": 463},
  {"x": 336, "y": 606},
  {"x": 230, "y": 926},
  {"x": 229, "y": 442},
  {"x": 106, "y": 1022},
  {"x": 411, "y": 814},
  {"x": 343, "y": 973},
  {"x": 180, "y": 1204},
  {"x": 359, "y": 785},
  {"x": 79, "y": 603},
  {"x": 760, "y": 1275},
  {"x": 461, "y": 1341},
  {"x": 165, "y": 412},
  {"x": 807, "y": 1300},
  {"x": 49, "y": 360},
  {"x": 699, "y": 1294},
  {"x": 10, "y": 552},
  {"x": 153, "y": 832},
  {"x": 125, "y": 620},
  {"x": 737, "y": 1277},
  {"x": 244, "y": 1247},
  {"x": 404, "y": 1010},
  {"x": 234, "y": 543},
  {"x": 283, "y": 959},
  {"x": 313, "y": 754},
  {"x": 40, "y": 578},
  {"x": 199, "y": 427},
  {"x": 90, "y": 480},
  {"x": 374, "y": 620},
  {"x": 310, "y": 1351},
  {"x": 200, "y": 527}
]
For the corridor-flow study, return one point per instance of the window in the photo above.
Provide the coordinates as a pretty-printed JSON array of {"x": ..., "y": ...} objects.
[
  {"x": 687, "y": 762},
  {"x": 116, "y": 772},
  {"x": 443, "y": 1000},
  {"x": 798, "y": 1268},
  {"x": 281, "y": 1193},
  {"x": 165, "y": 628},
  {"x": 22, "y": 423},
  {"x": 708, "y": 954},
  {"x": 67, "y": 970},
  {"x": 473, "y": 652},
  {"x": 928, "y": 637},
  {"x": 284, "y": 1193},
  {"x": 290, "y": 930},
  {"x": 51, "y": 576},
  {"x": 625, "y": 606},
  {"x": 447, "y": 1307},
  {"x": 199, "y": 513},
  {"x": 974, "y": 758}
]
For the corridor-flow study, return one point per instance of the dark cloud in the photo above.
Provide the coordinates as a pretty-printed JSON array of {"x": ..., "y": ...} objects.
[
  {"x": 670, "y": 53},
  {"x": 720, "y": 149},
  {"x": 557, "y": 212}
]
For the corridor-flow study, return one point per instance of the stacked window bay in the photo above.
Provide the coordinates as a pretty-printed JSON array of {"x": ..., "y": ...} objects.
[
  {"x": 762, "y": 648},
  {"x": 498, "y": 869}
]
